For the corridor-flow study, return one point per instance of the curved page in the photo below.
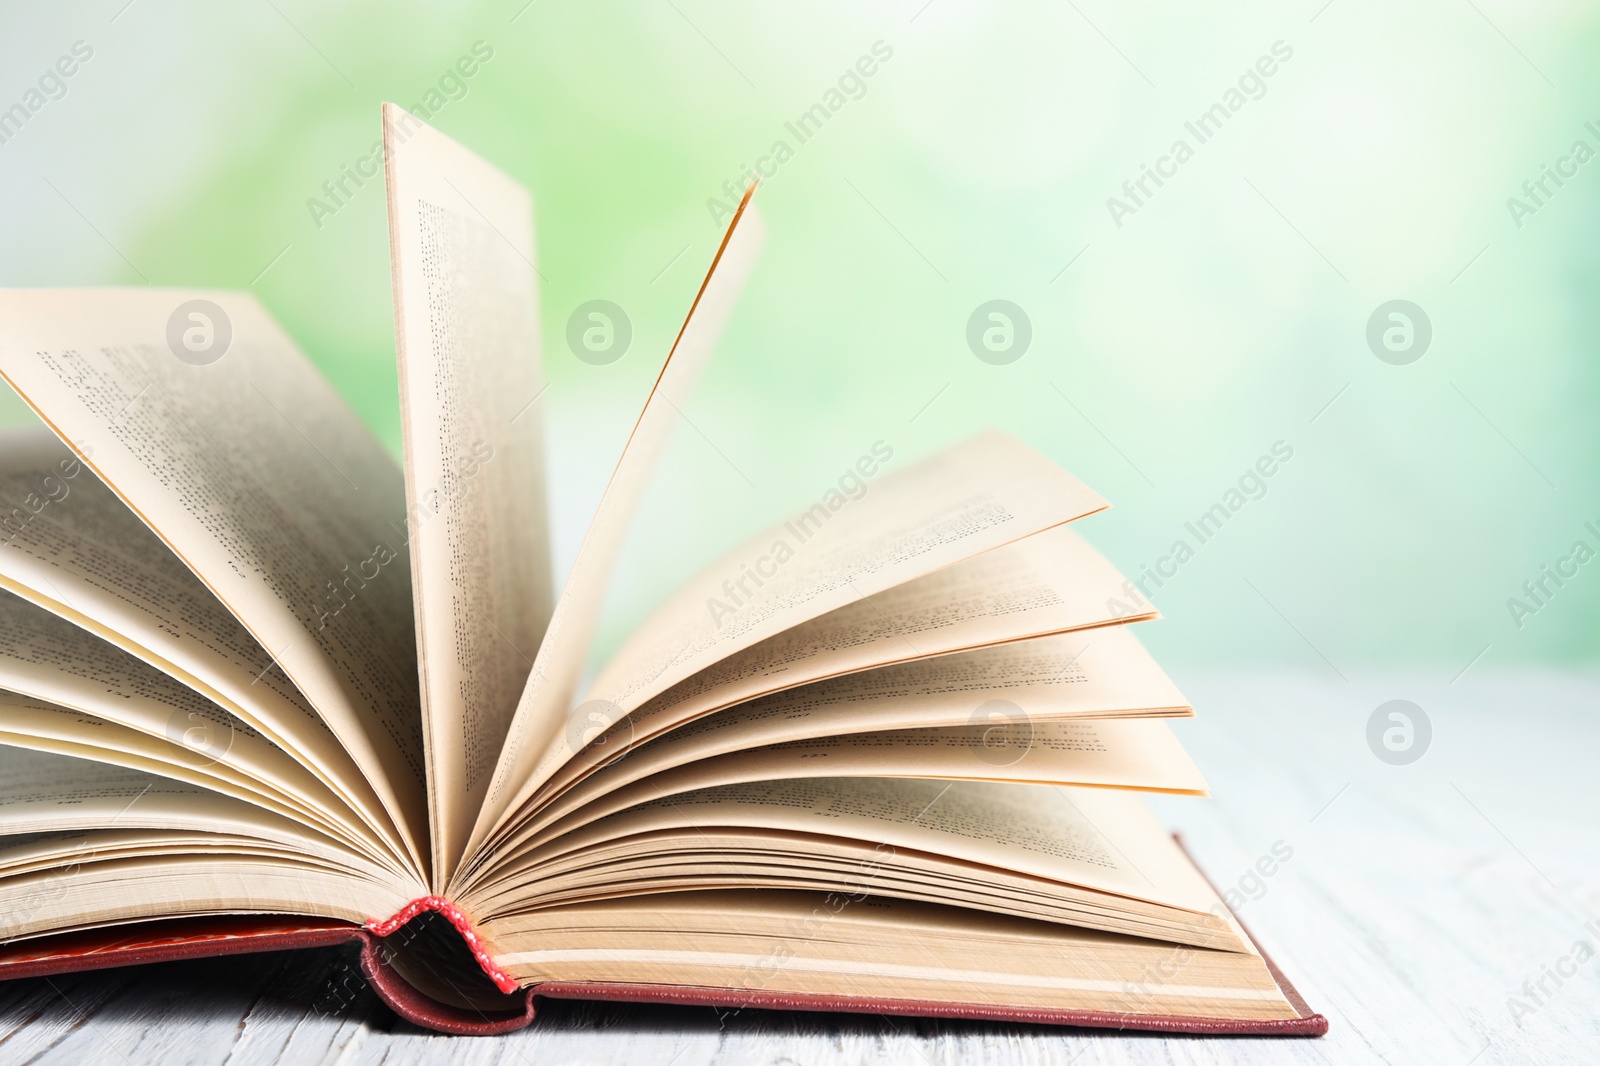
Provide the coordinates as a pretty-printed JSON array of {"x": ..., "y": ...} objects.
[
  {"x": 203, "y": 416},
  {"x": 68, "y": 545}
]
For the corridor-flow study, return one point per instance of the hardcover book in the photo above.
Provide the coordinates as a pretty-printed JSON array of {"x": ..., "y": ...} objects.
[{"x": 262, "y": 687}]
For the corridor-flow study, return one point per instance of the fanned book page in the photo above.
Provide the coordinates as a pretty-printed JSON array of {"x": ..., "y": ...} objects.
[
  {"x": 84, "y": 556},
  {"x": 538, "y": 738},
  {"x": 261, "y": 480},
  {"x": 261, "y": 687}
]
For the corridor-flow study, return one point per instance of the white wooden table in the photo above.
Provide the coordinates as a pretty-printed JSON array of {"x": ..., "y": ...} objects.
[{"x": 1418, "y": 901}]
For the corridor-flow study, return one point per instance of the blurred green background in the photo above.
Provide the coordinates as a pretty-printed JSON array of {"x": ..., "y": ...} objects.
[{"x": 1171, "y": 346}]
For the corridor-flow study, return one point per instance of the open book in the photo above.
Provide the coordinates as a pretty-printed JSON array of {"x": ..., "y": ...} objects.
[{"x": 260, "y": 687}]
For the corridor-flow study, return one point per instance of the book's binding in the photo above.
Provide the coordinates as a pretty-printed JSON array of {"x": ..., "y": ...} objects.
[
  {"x": 453, "y": 914},
  {"x": 188, "y": 938}
]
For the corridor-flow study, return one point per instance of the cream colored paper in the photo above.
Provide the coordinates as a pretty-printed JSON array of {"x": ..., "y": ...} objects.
[
  {"x": 45, "y": 727},
  {"x": 1104, "y": 673},
  {"x": 260, "y": 479},
  {"x": 1131, "y": 754},
  {"x": 52, "y": 660},
  {"x": 842, "y": 944},
  {"x": 467, "y": 330},
  {"x": 1051, "y": 582},
  {"x": 985, "y": 492},
  {"x": 92, "y": 894},
  {"x": 70, "y": 546},
  {"x": 1108, "y": 754},
  {"x": 1099, "y": 839},
  {"x": 42, "y": 793}
]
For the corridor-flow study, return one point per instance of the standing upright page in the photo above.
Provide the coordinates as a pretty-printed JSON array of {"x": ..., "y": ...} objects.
[{"x": 467, "y": 334}]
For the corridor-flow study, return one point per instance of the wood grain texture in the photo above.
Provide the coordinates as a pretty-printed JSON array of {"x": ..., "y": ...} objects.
[{"x": 1417, "y": 902}]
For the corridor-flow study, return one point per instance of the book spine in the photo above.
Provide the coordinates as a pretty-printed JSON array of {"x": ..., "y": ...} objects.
[{"x": 453, "y": 914}]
